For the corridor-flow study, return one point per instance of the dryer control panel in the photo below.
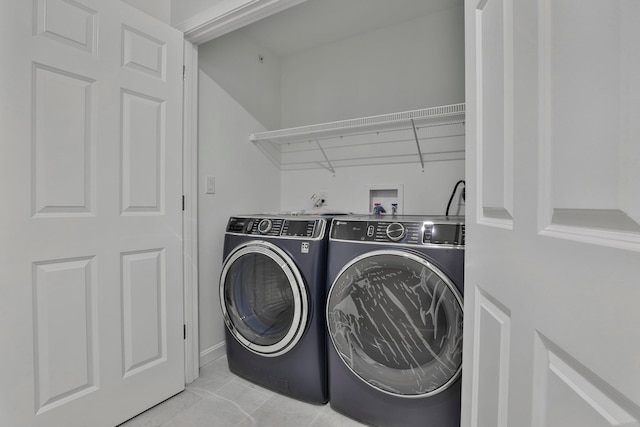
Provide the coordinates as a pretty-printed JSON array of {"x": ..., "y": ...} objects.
[
  {"x": 277, "y": 227},
  {"x": 408, "y": 232}
]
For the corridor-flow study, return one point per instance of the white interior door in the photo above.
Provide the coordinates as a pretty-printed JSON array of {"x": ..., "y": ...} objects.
[
  {"x": 553, "y": 229},
  {"x": 91, "y": 260}
]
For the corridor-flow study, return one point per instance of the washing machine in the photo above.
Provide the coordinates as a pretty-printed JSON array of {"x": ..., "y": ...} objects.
[
  {"x": 394, "y": 317},
  {"x": 272, "y": 293}
]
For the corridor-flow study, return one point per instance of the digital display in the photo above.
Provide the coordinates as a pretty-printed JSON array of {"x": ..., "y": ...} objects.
[
  {"x": 299, "y": 228},
  {"x": 236, "y": 225},
  {"x": 352, "y": 230},
  {"x": 444, "y": 233}
]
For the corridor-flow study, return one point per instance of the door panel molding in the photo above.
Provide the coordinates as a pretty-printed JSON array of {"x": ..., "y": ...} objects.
[
  {"x": 154, "y": 60},
  {"x": 591, "y": 130},
  {"x": 492, "y": 336},
  {"x": 494, "y": 131},
  {"x": 69, "y": 23},
  {"x": 144, "y": 319},
  {"x": 143, "y": 145},
  {"x": 63, "y": 129},
  {"x": 583, "y": 398},
  {"x": 65, "y": 331}
]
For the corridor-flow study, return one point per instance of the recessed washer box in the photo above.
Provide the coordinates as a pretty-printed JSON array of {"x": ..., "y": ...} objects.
[{"x": 386, "y": 196}]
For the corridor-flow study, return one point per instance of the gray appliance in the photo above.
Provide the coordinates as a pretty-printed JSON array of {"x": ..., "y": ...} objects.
[
  {"x": 394, "y": 318},
  {"x": 272, "y": 296}
]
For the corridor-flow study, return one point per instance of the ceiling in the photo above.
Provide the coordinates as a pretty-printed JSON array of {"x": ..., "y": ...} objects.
[{"x": 317, "y": 22}]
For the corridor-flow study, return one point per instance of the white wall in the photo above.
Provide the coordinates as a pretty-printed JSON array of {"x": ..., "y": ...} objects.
[
  {"x": 417, "y": 64},
  {"x": 244, "y": 183},
  {"x": 160, "y": 9},
  {"x": 233, "y": 60},
  {"x": 425, "y": 193}
]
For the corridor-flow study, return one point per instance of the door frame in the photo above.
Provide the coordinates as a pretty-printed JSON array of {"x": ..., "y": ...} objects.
[
  {"x": 190, "y": 211},
  {"x": 201, "y": 28}
]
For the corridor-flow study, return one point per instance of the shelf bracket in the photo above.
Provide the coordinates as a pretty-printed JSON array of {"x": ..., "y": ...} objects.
[
  {"x": 325, "y": 156},
  {"x": 415, "y": 135}
]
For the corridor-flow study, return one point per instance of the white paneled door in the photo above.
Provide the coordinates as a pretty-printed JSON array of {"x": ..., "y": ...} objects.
[
  {"x": 90, "y": 229},
  {"x": 552, "y": 285}
]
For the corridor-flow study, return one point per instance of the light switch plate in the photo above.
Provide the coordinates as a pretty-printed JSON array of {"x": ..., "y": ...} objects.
[{"x": 211, "y": 185}]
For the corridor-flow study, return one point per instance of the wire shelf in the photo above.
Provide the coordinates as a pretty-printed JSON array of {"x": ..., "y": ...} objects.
[{"x": 359, "y": 141}]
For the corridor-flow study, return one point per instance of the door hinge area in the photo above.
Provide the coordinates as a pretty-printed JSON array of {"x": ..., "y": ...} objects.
[
  {"x": 184, "y": 202},
  {"x": 184, "y": 72},
  {"x": 184, "y": 330}
]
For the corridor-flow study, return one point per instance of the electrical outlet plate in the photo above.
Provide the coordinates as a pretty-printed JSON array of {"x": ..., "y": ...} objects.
[
  {"x": 324, "y": 197},
  {"x": 319, "y": 198}
]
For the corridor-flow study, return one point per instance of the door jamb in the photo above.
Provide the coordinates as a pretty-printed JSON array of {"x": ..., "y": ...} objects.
[
  {"x": 190, "y": 211},
  {"x": 201, "y": 28}
]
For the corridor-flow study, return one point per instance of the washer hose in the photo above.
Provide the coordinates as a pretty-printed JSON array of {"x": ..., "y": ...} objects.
[{"x": 454, "y": 193}]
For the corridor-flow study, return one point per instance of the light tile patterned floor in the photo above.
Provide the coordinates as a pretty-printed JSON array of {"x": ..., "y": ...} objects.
[{"x": 221, "y": 399}]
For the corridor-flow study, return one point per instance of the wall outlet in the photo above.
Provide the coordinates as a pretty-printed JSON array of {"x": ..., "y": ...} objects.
[
  {"x": 324, "y": 195},
  {"x": 319, "y": 199}
]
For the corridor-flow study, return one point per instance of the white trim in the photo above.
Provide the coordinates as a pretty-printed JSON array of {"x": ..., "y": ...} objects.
[
  {"x": 212, "y": 353},
  {"x": 190, "y": 214},
  {"x": 229, "y": 15},
  {"x": 226, "y": 16}
]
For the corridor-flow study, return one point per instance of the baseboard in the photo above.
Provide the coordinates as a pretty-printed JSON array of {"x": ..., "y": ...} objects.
[{"x": 212, "y": 353}]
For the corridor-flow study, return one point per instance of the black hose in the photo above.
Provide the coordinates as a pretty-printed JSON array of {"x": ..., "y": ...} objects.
[{"x": 454, "y": 193}]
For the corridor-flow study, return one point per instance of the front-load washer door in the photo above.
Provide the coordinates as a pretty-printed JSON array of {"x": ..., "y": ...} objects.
[
  {"x": 395, "y": 320},
  {"x": 264, "y": 299}
]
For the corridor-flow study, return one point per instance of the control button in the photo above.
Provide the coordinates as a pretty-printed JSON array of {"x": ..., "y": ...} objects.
[
  {"x": 370, "y": 231},
  {"x": 426, "y": 235},
  {"x": 264, "y": 226},
  {"x": 396, "y": 231},
  {"x": 249, "y": 227}
]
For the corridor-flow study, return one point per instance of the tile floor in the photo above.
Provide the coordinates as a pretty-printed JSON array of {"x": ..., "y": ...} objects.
[{"x": 219, "y": 398}]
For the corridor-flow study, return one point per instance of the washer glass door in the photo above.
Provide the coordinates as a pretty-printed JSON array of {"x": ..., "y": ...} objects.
[
  {"x": 264, "y": 299},
  {"x": 395, "y": 320}
]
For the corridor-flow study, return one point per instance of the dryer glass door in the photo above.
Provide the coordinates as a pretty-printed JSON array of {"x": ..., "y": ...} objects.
[
  {"x": 395, "y": 320},
  {"x": 264, "y": 299}
]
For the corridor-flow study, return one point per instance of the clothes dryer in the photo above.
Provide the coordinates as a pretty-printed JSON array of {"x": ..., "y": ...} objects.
[
  {"x": 394, "y": 317},
  {"x": 272, "y": 293}
]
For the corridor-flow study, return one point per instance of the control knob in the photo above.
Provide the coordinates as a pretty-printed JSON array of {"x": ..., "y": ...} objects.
[
  {"x": 264, "y": 226},
  {"x": 396, "y": 231}
]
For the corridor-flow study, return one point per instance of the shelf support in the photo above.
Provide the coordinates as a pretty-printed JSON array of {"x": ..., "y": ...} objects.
[
  {"x": 415, "y": 135},
  {"x": 325, "y": 156}
]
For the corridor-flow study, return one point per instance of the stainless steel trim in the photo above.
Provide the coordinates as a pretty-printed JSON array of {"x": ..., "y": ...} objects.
[
  {"x": 425, "y": 263},
  {"x": 322, "y": 222},
  {"x": 398, "y": 220},
  {"x": 300, "y": 294},
  {"x": 399, "y": 226},
  {"x": 268, "y": 226},
  {"x": 402, "y": 245}
]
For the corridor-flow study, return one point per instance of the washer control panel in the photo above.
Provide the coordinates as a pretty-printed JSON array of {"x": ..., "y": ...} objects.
[
  {"x": 276, "y": 227},
  {"x": 426, "y": 232}
]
